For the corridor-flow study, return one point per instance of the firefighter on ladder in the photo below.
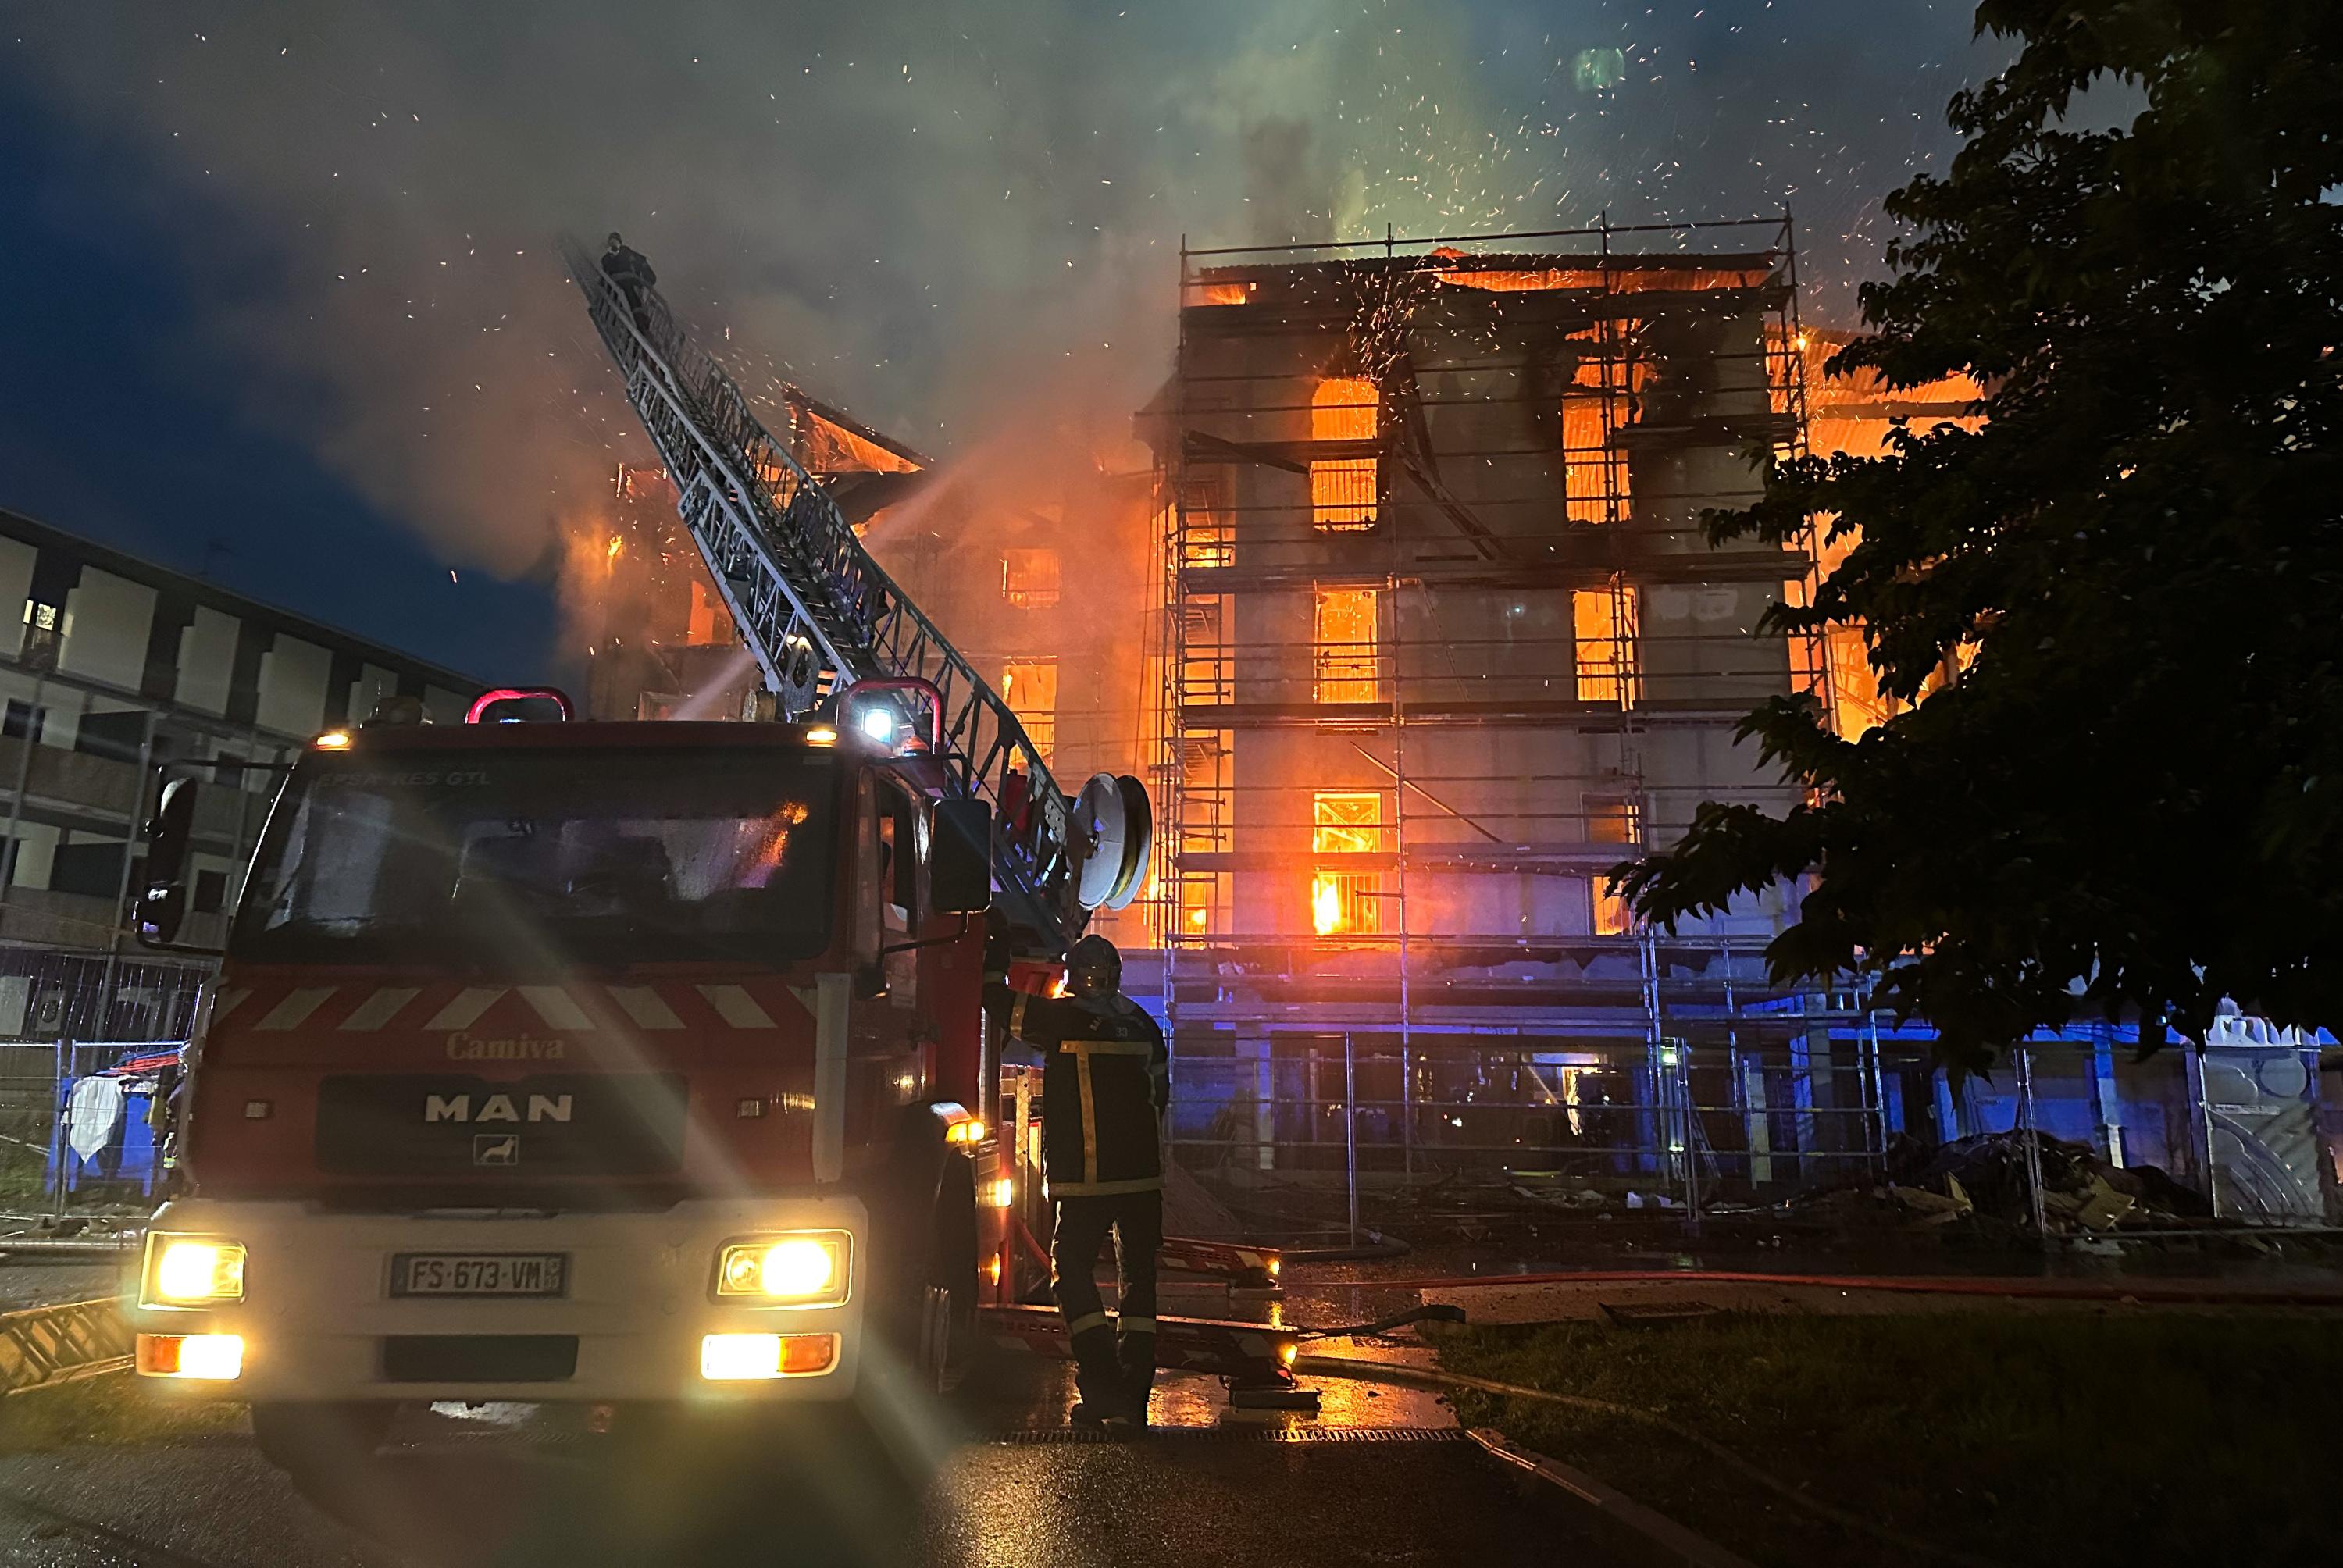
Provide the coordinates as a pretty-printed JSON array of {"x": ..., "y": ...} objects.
[
  {"x": 1106, "y": 1079},
  {"x": 631, "y": 271}
]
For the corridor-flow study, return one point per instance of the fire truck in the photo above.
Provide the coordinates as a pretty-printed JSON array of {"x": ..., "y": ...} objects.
[{"x": 629, "y": 1064}]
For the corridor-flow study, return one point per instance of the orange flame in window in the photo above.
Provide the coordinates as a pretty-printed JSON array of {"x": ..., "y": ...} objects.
[{"x": 1326, "y": 904}]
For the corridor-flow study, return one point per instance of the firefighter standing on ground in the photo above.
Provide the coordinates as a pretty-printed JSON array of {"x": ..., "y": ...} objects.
[{"x": 1106, "y": 1080}]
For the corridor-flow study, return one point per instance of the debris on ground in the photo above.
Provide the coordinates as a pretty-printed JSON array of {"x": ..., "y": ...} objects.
[
  {"x": 2079, "y": 1188},
  {"x": 1985, "y": 1179}
]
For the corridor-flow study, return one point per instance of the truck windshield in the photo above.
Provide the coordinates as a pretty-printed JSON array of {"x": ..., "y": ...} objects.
[{"x": 538, "y": 859}]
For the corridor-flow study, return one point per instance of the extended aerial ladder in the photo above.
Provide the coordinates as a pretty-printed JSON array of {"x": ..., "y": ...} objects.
[{"x": 820, "y": 615}]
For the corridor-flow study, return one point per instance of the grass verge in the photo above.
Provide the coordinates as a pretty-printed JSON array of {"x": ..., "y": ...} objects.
[
  {"x": 2065, "y": 1438},
  {"x": 116, "y": 1408}
]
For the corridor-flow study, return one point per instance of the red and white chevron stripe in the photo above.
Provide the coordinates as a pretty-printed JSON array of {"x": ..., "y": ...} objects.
[{"x": 575, "y": 1008}]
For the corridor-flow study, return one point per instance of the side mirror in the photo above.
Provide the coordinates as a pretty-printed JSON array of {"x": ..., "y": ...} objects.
[
  {"x": 959, "y": 858},
  {"x": 163, "y": 903}
]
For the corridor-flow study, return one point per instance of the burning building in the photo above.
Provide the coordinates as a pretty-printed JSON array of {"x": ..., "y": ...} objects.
[
  {"x": 1415, "y": 632},
  {"x": 1857, "y": 414},
  {"x": 1446, "y": 642},
  {"x": 659, "y": 642},
  {"x": 1042, "y": 575},
  {"x": 1042, "y": 572}
]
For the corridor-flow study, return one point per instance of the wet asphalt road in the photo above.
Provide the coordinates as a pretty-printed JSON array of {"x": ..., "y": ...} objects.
[
  {"x": 991, "y": 1476},
  {"x": 814, "y": 1492},
  {"x": 1179, "y": 1501}
]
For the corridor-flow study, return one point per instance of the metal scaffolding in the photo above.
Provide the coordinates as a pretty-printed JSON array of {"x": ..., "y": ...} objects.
[{"x": 1444, "y": 641}]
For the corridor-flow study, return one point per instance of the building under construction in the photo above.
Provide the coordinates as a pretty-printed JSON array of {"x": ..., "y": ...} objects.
[
  {"x": 1444, "y": 641},
  {"x": 1416, "y": 632}
]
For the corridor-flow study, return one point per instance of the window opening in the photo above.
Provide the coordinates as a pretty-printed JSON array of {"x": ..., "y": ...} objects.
[
  {"x": 1344, "y": 635},
  {"x": 1030, "y": 579},
  {"x": 1342, "y": 490},
  {"x": 1604, "y": 646},
  {"x": 1031, "y": 687},
  {"x": 1346, "y": 902}
]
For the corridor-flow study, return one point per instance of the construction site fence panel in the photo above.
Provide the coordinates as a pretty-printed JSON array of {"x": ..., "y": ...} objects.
[
  {"x": 82, "y": 1126},
  {"x": 1753, "y": 1120}
]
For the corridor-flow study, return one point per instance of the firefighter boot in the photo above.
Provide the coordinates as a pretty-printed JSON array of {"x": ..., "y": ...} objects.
[
  {"x": 1097, "y": 1377},
  {"x": 1136, "y": 1353}
]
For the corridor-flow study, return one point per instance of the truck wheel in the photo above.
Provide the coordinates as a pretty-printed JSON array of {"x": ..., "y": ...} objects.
[
  {"x": 938, "y": 1373},
  {"x": 321, "y": 1439},
  {"x": 946, "y": 1316}
]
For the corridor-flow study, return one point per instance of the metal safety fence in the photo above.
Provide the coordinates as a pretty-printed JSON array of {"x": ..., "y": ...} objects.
[
  {"x": 1702, "y": 1121},
  {"x": 82, "y": 1126},
  {"x": 41, "y": 1346}
]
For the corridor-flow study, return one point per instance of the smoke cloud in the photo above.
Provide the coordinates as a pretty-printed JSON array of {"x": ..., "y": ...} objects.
[{"x": 936, "y": 214}]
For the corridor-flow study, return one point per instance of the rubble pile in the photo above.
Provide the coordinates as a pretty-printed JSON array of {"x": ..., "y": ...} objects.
[{"x": 2080, "y": 1191}]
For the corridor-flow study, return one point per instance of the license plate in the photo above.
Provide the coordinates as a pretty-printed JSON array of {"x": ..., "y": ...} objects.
[{"x": 479, "y": 1273}]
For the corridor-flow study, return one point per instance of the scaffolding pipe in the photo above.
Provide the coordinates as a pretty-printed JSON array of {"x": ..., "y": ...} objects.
[
  {"x": 2026, "y": 1111},
  {"x": 2197, "y": 1065},
  {"x": 1398, "y": 836},
  {"x": 1351, "y": 1126}
]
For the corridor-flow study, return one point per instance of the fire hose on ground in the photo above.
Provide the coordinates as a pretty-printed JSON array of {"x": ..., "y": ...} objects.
[{"x": 2165, "y": 1291}]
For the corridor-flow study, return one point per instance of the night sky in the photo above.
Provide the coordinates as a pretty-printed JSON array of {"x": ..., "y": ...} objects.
[{"x": 283, "y": 303}]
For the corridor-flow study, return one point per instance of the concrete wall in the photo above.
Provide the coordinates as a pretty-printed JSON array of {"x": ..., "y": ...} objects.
[
  {"x": 105, "y": 624},
  {"x": 206, "y": 661},
  {"x": 16, "y": 559},
  {"x": 292, "y": 698}
]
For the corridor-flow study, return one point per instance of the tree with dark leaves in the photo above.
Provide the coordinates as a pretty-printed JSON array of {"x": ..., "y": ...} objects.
[{"x": 2127, "y": 800}]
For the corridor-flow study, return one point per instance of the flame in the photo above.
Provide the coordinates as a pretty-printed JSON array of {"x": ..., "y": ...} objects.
[
  {"x": 611, "y": 552},
  {"x": 1507, "y": 274},
  {"x": 1326, "y": 904}
]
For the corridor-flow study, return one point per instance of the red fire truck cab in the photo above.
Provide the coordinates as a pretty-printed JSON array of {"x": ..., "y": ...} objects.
[{"x": 591, "y": 1062}]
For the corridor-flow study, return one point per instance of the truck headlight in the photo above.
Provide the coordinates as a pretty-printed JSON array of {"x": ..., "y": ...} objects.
[
  {"x": 191, "y": 1271},
  {"x": 803, "y": 1268}
]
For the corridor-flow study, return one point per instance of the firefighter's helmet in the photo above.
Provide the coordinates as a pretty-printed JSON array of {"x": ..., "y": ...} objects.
[{"x": 1093, "y": 953}]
